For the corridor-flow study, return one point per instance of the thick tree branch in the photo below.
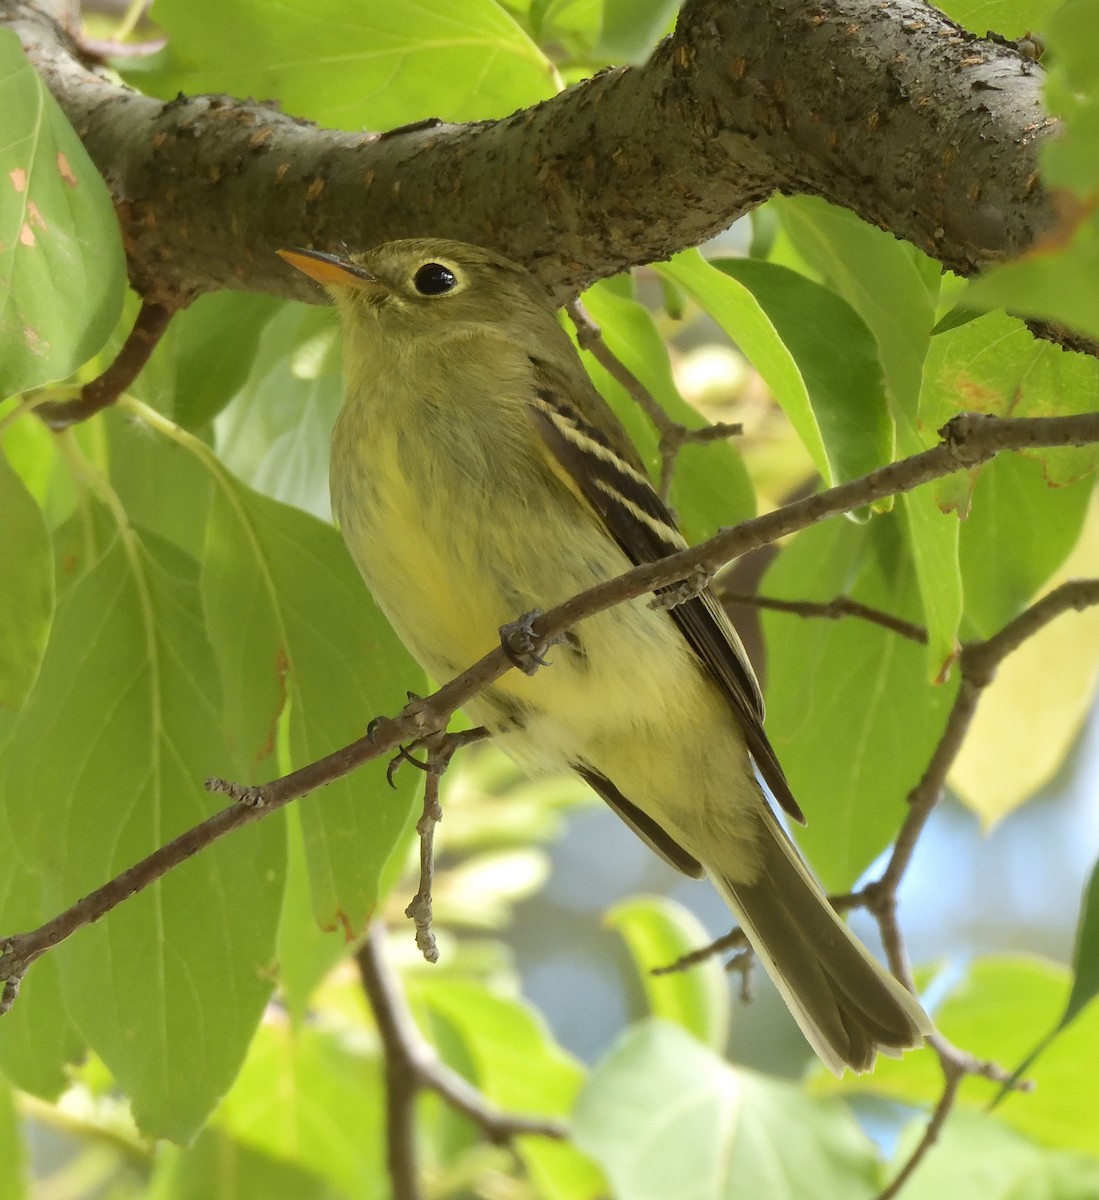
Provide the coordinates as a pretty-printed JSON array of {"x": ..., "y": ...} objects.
[{"x": 887, "y": 108}]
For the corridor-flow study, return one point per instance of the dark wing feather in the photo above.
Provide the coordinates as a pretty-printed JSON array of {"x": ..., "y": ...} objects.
[
  {"x": 642, "y": 824},
  {"x": 604, "y": 466}
]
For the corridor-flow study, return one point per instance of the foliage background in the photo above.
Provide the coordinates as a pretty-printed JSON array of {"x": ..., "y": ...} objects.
[{"x": 175, "y": 605}]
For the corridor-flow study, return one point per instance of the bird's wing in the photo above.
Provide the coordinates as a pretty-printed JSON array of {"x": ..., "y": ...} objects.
[{"x": 604, "y": 467}]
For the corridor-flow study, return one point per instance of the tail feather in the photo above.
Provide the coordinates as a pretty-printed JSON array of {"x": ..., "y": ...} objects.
[{"x": 847, "y": 1004}]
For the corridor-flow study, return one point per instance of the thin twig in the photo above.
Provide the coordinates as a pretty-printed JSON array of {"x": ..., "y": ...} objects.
[
  {"x": 411, "y": 1066},
  {"x": 440, "y": 750},
  {"x": 105, "y": 389},
  {"x": 967, "y": 441},
  {"x": 832, "y": 610},
  {"x": 942, "y": 1109},
  {"x": 672, "y": 435}
]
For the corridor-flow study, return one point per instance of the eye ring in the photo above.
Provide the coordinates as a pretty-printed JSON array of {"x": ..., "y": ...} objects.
[{"x": 433, "y": 279}]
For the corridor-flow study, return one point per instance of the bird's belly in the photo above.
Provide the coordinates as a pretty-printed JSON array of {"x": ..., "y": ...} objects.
[{"x": 447, "y": 589}]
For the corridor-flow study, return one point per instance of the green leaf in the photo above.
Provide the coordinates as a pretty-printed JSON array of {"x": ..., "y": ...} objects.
[
  {"x": 631, "y": 28},
  {"x": 1072, "y": 91},
  {"x": 62, "y": 273},
  {"x": 658, "y": 932},
  {"x": 37, "y": 1038},
  {"x": 275, "y": 433},
  {"x": 666, "y": 1117},
  {"x": 292, "y": 623},
  {"x": 163, "y": 488},
  {"x": 13, "y": 1176},
  {"x": 894, "y": 288},
  {"x": 1058, "y": 277},
  {"x": 1009, "y": 18},
  {"x": 355, "y": 66},
  {"x": 306, "y": 952},
  {"x": 887, "y": 282},
  {"x": 313, "y": 1098},
  {"x": 215, "y": 341},
  {"x": 933, "y": 537},
  {"x": 1019, "y": 531},
  {"x": 104, "y": 766},
  {"x": 218, "y": 1166},
  {"x": 838, "y": 359},
  {"x": 1085, "y": 983},
  {"x": 733, "y": 306},
  {"x": 26, "y": 588},
  {"x": 848, "y": 708},
  {"x": 710, "y": 487},
  {"x": 1058, "y": 281},
  {"x": 977, "y": 1158},
  {"x": 517, "y": 1065},
  {"x": 995, "y": 365}
]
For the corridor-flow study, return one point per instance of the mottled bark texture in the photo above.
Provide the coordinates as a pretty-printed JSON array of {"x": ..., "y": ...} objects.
[{"x": 883, "y": 106}]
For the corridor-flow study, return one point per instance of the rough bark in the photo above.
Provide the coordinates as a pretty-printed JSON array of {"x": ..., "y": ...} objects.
[{"x": 883, "y": 106}]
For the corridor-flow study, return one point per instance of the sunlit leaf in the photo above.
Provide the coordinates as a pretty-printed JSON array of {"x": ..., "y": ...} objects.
[
  {"x": 977, "y": 1158},
  {"x": 995, "y": 365},
  {"x": 837, "y": 357},
  {"x": 519, "y": 1067},
  {"x": 665, "y": 1117},
  {"x": 1085, "y": 982},
  {"x": 275, "y": 433},
  {"x": 355, "y": 66},
  {"x": 313, "y": 1098},
  {"x": 658, "y": 932},
  {"x": 1057, "y": 278},
  {"x": 1008, "y": 18},
  {"x": 218, "y": 1165}
]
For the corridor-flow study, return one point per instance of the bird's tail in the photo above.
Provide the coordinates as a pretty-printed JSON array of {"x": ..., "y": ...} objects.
[{"x": 847, "y": 1004}]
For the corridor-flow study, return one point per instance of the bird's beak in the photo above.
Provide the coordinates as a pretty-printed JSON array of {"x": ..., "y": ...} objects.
[{"x": 330, "y": 269}]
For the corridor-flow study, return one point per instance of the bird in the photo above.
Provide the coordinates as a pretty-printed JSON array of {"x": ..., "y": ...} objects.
[{"x": 476, "y": 475}]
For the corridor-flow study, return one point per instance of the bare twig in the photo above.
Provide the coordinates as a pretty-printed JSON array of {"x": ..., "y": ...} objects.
[
  {"x": 672, "y": 434},
  {"x": 832, "y": 610},
  {"x": 967, "y": 441},
  {"x": 104, "y": 390},
  {"x": 411, "y": 1066},
  {"x": 440, "y": 750},
  {"x": 419, "y": 908}
]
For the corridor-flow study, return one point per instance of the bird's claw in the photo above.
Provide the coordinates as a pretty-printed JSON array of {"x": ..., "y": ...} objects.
[{"x": 523, "y": 647}]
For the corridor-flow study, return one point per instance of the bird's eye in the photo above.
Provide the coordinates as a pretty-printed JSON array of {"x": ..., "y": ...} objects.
[{"x": 433, "y": 279}]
